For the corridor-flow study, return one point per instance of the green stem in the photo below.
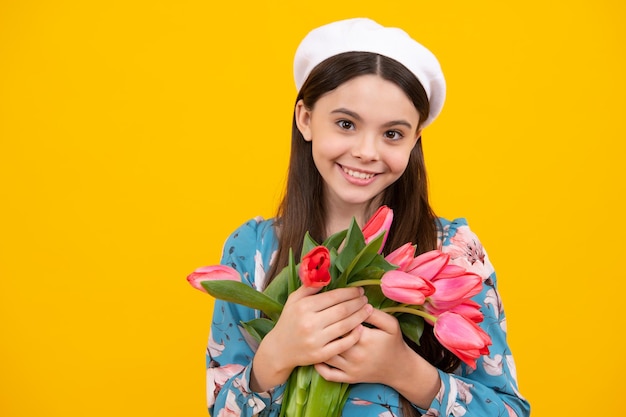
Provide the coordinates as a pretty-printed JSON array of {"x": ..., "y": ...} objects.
[
  {"x": 409, "y": 310},
  {"x": 364, "y": 282}
]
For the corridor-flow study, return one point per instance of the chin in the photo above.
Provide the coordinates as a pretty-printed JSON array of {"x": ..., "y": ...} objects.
[{"x": 360, "y": 200}]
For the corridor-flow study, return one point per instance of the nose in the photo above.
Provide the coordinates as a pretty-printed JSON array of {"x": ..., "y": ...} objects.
[{"x": 366, "y": 148}]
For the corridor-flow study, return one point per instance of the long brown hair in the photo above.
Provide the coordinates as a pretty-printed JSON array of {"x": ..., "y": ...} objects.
[{"x": 302, "y": 208}]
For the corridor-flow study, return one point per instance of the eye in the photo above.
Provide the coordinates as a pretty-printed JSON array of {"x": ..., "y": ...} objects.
[
  {"x": 393, "y": 135},
  {"x": 345, "y": 124}
]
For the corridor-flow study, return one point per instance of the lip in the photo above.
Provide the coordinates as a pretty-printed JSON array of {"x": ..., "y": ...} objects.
[{"x": 355, "y": 180}]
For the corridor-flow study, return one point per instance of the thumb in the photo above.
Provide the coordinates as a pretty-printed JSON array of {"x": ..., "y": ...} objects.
[
  {"x": 383, "y": 321},
  {"x": 302, "y": 292}
]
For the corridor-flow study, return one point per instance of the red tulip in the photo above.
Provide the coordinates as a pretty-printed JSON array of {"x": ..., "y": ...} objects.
[
  {"x": 462, "y": 337},
  {"x": 428, "y": 264},
  {"x": 405, "y": 288},
  {"x": 402, "y": 256},
  {"x": 379, "y": 223},
  {"x": 212, "y": 273},
  {"x": 314, "y": 267}
]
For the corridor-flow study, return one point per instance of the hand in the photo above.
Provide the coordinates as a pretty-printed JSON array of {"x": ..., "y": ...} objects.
[
  {"x": 381, "y": 356},
  {"x": 374, "y": 357},
  {"x": 312, "y": 328}
]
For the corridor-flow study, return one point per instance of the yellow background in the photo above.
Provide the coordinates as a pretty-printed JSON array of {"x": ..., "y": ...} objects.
[{"x": 135, "y": 135}]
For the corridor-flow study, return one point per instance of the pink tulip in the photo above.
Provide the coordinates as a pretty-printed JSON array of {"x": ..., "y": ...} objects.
[
  {"x": 402, "y": 256},
  {"x": 462, "y": 337},
  {"x": 379, "y": 223},
  {"x": 468, "y": 308},
  {"x": 450, "y": 271},
  {"x": 450, "y": 292},
  {"x": 314, "y": 267},
  {"x": 212, "y": 273},
  {"x": 405, "y": 288},
  {"x": 428, "y": 264}
]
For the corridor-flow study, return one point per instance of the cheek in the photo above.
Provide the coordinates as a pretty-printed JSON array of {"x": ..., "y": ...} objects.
[
  {"x": 323, "y": 157},
  {"x": 326, "y": 149},
  {"x": 398, "y": 162}
]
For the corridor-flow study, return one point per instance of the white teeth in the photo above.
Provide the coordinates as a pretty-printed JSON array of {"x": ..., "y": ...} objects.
[{"x": 357, "y": 174}]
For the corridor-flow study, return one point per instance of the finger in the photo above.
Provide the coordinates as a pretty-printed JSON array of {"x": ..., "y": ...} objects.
[
  {"x": 333, "y": 297},
  {"x": 383, "y": 321},
  {"x": 339, "y": 335},
  {"x": 339, "y": 345},
  {"x": 303, "y": 292},
  {"x": 336, "y": 361},
  {"x": 344, "y": 317},
  {"x": 332, "y": 374}
]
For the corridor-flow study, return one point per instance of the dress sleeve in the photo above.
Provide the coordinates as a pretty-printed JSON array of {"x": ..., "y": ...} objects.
[
  {"x": 491, "y": 389},
  {"x": 230, "y": 349}
]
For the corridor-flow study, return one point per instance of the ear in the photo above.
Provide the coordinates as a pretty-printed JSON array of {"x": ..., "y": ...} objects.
[
  {"x": 303, "y": 120},
  {"x": 417, "y": 137}
]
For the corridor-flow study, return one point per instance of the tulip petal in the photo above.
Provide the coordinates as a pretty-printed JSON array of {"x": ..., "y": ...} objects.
[
  {"x": 402, "y": 256},
  {"x": 468, "y": 308},
  {"x": 451, "y": 271},
  {"x": 405, "y": 288},
  {"x": 450, "y": 292},
  {"x": 379, "y": 223},
  {"x": 212, "y": 273},
  {"x": 428, "y": 264},
  {"x": 314, "y": 268},
  {"x": 462, "y": 337}
]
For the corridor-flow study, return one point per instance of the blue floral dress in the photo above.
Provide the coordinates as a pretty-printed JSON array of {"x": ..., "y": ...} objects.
[{"x": 489, "y": 390}]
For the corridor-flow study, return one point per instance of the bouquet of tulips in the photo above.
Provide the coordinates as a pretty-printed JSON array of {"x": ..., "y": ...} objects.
[{"x": 414, "y": 289}]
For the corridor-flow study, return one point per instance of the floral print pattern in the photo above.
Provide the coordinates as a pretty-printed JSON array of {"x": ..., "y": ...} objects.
[{"x": 490, "y": 390}]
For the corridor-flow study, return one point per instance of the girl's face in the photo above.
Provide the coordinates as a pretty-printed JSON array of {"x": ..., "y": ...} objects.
[{"x": 362, "y": 134}]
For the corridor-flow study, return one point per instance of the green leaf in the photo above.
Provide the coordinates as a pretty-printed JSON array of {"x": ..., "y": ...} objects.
[
  {"x": 359, "y": 261},
  {"x": 355, "y": 242},
  {"x": 277, "y": 289},
  {"x": 345, "y": 390},
  {"x": 334, "y": 266},
  {"x": 240, "y": 293},
  {"x": 370, "y": 272},
  {"x": 412, "y": 326},
  {"x": 380, "y": 262},
  {"x": 258, "y": 328},
  {"x": 308, "y": 244},
  {"x": 293, "y": 281},
  {"x": 325, "y": 398},
  {"x": 334, "y": 241},
  {"x": 367, "y": 255},
  {"x": 289, "y": 405},
  {"x": 375, "y": 295},
  {"x": 387, "y": 302},
  {"x": 303, "y": 381},
  {"x": 296, "y": 392}
]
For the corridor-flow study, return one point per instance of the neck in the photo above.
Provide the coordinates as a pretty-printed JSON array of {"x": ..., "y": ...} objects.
[{"x": 339, "y": 216}]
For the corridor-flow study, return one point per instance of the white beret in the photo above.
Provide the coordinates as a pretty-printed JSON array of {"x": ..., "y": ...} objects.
[{"x": 365, "y": 35}]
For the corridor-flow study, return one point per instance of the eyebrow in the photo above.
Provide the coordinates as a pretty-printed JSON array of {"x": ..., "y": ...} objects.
[{"x": 354, "y": 115}]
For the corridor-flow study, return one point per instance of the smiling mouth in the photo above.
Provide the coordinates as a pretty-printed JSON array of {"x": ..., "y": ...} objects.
[{"x": 358, "y": 174}]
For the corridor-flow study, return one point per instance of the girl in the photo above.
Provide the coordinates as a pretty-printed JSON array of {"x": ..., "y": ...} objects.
[{"x": 366, "y": 92}]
